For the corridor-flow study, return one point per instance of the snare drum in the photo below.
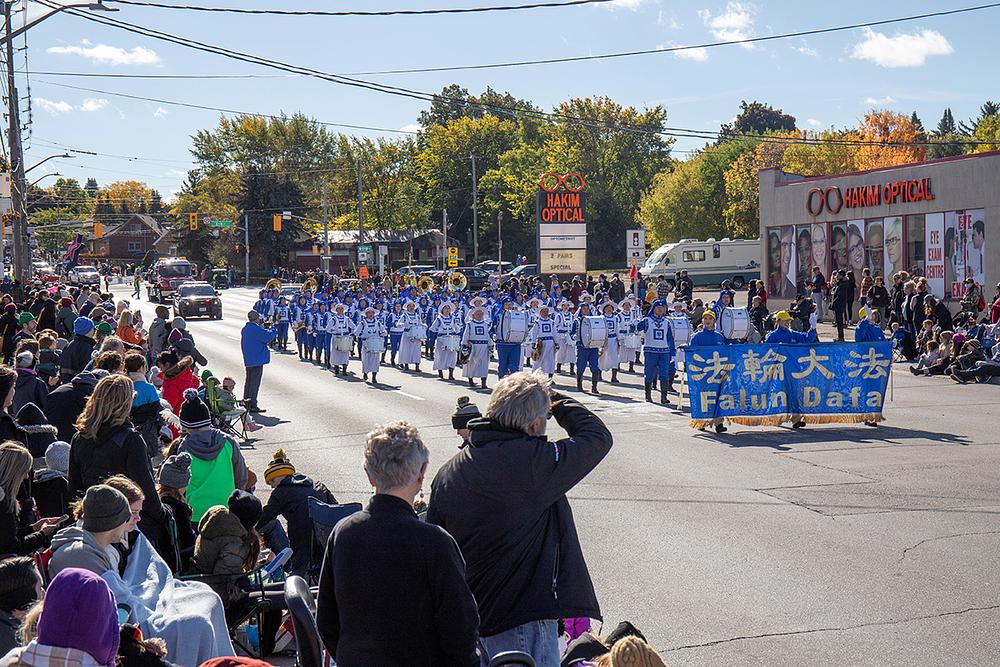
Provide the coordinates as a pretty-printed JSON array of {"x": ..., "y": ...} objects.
[
  {"x": 682, "y": 330},
  {"x": 450, "y": 343},
  {"x": 343, "y": 343},
  {"x": 593, "y": 331},
  {"x": 374, "y": 344},
  {"x": 418, "y": 332},
  {"x": 631, "y": 341},
  {"x": 513, "y": 326},
  {"x": 735, "y": 323}
]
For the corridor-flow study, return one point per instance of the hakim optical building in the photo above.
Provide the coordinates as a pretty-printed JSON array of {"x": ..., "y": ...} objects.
[{"x": 930, "y": 219}]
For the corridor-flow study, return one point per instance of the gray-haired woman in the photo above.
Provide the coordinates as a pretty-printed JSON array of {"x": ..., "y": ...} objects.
[{"x": 392, "y": 590}]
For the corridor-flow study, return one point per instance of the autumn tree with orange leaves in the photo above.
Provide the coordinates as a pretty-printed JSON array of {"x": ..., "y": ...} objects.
[{"x": 888, "y": 140}]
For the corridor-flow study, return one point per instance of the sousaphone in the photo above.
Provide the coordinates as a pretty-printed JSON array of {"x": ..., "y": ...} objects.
[
  {"x": 310, "y": 285},
  {"x": 425, "y": 284},
  {"x": 273, "y": 283},
  {"x": 457, "y": 281}
]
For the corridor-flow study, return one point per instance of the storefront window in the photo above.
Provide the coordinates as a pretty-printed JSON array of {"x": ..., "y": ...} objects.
[
  {"x": 915, "y": 245},
  {"x": 892, "y": 231},
  {"x": 820, "y": 253},
  {"x": 873, "y": 247}
]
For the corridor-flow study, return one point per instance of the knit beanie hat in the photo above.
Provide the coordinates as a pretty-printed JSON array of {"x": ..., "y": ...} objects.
[
  {"x": 25, "y": 359},
  {"x": 104, "y": 508},
  {"x": 205, "y": 374},
  {"x": 25, "y": 317},
  {"x": 246, "y": 506},
  {"x": 83, "y": 326},
  {"x": 105, "y": 327},
  {"x": 57, "y": 456},
  {"x": 465, "y": 412},
  {"x": 176, "y": 471},
  {"x": 194, "y": 412},
  {"x": 178, "y": 323},
  {"x": 80, "y": 613},
  {"x": 278, "y": 467},
  {"x": 66, "y": 302}
]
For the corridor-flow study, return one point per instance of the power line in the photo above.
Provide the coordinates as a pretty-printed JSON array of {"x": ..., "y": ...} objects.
[
  {"x": 431, "y": 97},
  {"x": 205, "y": 107},
  {"x": 386, "y": 12}
]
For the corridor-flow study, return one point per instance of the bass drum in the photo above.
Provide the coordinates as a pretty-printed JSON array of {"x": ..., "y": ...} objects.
[
  {"x": 513, "y": 326},
  {"x": 593, "y": 331},
  {"x": 735, "y": 324},
  {"x": 682, "y": 330},
  {"x": 374, "y": 344}
]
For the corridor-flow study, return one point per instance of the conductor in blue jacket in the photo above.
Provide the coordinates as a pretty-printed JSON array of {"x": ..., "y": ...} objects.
[{"x": 255, "y": 340}]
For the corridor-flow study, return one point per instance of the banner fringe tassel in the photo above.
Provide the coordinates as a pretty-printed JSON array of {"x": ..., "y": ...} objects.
[{"x": 778, "y": 420}]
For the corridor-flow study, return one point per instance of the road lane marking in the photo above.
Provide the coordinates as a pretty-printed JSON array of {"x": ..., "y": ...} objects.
[{"x": 403, "y": 393}]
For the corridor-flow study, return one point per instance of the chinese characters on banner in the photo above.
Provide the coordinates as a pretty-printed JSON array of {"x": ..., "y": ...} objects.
[{"x": 765, "y": 384}]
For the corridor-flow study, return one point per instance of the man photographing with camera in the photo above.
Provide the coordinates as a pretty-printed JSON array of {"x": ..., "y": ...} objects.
[{"x": 503, "y": 499}]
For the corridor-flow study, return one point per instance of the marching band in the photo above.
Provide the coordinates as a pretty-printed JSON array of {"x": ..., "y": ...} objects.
[{"x": 455, "y": 328}]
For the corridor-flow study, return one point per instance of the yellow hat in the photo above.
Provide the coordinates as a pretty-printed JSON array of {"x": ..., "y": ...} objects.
[
  {"x": 708, "y": 313},
  {"x": 863, "y": 312},
  {"x": 782, "y": 315},
  {"x": 279, "y": 466}
]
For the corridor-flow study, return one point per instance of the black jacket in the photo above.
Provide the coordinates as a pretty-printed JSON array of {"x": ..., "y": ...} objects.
[
  {"x": 38, "y": 433},
  {"x": 147, "y": 421},
  {"x": 14, "y": 537},
  {"x": 28, "y": 388},
  {"x": 117, "y": 450},
  {"x": 943, "y": 317},
  {"x": 181, "y": 514},
  {"x": 66, "y": 403},
  {"x": 503, "y": 499},
  {"x": 290, "y": 499},
  {"x": 76, "y": 356},
  {"x": 392, "y": 592}
]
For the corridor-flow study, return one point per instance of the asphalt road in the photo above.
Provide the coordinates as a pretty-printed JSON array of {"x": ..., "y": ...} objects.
[{"x": 831, "y": 545}]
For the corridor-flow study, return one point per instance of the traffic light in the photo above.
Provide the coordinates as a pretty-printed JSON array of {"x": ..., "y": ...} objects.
[
  {"x": 277, "y": 222},
  {"x": 193, "y": 221},
  {"x": 98, "y": 230}
]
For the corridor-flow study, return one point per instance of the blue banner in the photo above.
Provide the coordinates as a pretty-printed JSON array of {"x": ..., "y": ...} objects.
[{"x": 766, "y": 384}]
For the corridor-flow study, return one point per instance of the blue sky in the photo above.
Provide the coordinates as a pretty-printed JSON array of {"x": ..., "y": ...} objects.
[{"x": 828, "y": 80}]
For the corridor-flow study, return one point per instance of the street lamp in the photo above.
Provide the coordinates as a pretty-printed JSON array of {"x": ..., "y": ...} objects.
[
  {"x": 51, "y": 157},
  {"x": 92, "y": 6},
  {"x": 22, "y": 255},
  {"x": 55, "y": 173}
]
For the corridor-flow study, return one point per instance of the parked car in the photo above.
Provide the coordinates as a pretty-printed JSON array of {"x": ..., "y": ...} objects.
[
  {"x": 523, "y": 271},
  {"x": 493, "y": 266},
  {"x": 415, "y": 269},
  {"x": 83, "y": 276},
  {"x": 197, "y": 299}
]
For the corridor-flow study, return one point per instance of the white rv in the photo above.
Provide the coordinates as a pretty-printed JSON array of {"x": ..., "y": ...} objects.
[{"x": 707, "y": 262}]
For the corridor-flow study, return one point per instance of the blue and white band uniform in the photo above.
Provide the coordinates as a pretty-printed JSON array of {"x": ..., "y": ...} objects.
[{"x": 657, "y": 348}]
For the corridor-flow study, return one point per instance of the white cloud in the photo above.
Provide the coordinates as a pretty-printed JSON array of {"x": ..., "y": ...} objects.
[
  {"x": 698, "y": 54},
  {"x": 879, "y": 100},
  {"x": 625, "y": 4},
  {"x": 901, "y": 50},
  {"x": 734, "y": 24},
  {"x": 53, "y": 107},
  {"x": 93, "y": 104},
  {"x": 412, "y": 127},
  {"x": 109, "y": 55},
  {"x": 160, "y": 112},
  {"x": 806, "y": 51},
  {"x": 812, "y": 122}
]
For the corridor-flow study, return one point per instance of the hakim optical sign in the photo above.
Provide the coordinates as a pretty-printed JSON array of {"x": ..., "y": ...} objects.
[{"x": 561, "y": 214}]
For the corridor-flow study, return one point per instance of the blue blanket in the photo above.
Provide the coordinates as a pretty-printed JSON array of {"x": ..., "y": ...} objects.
[{"x": 187, "y": 615}]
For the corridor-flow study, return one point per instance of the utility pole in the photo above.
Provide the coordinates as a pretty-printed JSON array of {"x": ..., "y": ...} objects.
[
  {"x": 17, "y": 190},
  {"x": 444, "y": 230},
  {"x": 500, "y": 244},
  {"x": 246, "y": 247},
  {"x": 361, "y": 208},
  {"x": 475, "y": 213},
  {"x": 326, "y": 231}
]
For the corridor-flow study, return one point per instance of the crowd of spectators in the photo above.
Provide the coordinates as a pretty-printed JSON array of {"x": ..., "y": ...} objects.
[{"x": 132, "y": 531}]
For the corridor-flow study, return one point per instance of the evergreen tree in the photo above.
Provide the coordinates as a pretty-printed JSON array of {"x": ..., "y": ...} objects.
[
  {"x": 946, "y": 125},
  {"x": 142, "y": 207},
  {"x": 124, "y": 208},
  {"x": 91, "y": 187},
  {"x": 945, "y": 140},
  {"x": 988, "y": 108},
  {"x": 919, "y": 127}
]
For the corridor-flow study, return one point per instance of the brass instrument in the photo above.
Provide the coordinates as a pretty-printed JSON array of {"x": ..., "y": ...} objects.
[
  {"x": 310, "y": 285},
  {"x": 536, "y": 350},
  {"x": 410, "y": 280},
  {"x": 457, "y": 281},
  {"x": 650, "y": 295},
  {"x": 425, "y": 284},
  {"x": 273, "y": 283}
]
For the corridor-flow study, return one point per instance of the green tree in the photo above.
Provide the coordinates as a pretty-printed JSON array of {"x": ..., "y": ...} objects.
[
  {"x": 945, "y": 139},
  {"x": 263, "y": 195},
  {"x": 987, "y": 109},
  {"x": 618, "y": 150},
  {"x": 756, "y": 118},
  {"x": 987, "y": 134},
  {"x": 678, "y": 206},
  {"x": 742, "y": 213},
  {"x": 832, "y": 153},
  {"x": 454, "y": 102}
]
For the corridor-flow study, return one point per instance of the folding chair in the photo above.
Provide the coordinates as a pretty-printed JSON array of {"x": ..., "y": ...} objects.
[
  {"x": 325, "y": 517},
  {"x": 302, "y": 608},
  {"x": 231, "y": 422}
]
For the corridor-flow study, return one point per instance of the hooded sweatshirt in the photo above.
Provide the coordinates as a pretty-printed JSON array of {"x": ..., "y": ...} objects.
[
  {"x": 217, "y": 468},
  {"x": 65, "y": 404},
  {"x": 76, "y": 547}
]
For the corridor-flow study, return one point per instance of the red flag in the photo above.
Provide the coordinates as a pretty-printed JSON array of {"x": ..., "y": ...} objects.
[{"x": 632, "y": 273}]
